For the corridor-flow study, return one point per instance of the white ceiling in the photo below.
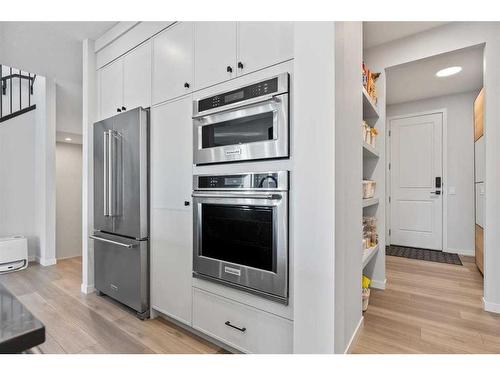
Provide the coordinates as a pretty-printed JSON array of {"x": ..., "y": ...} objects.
[
  {"x": 417, "y": 80},
  {"x": 376, "y": 33},
  {"x": 54, "y": 50}
]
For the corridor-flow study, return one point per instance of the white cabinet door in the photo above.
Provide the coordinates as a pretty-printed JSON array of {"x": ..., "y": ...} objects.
[
  {"x": 171, "y": 154},
  {"x": 215, "y": 52},
  {"x": 172, "y": 263},
  {"x": 261, "y": 44},
  {"x": 173, "y": 57},
  {"x": 110, "y": 89},
  {"x": 137, "y": 77},
  {"x": 171, "y": 219}
]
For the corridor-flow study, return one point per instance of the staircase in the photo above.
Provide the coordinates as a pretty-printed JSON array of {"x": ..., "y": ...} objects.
[{"x": 16, "y": 92}]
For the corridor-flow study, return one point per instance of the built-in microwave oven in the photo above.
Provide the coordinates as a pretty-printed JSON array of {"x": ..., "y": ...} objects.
[
  {"x": 247, "y": 123},
  {"x": 240, "y": 231}
]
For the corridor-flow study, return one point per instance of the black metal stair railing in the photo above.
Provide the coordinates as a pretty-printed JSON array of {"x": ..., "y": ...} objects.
[{"x": 6, "y": 82}]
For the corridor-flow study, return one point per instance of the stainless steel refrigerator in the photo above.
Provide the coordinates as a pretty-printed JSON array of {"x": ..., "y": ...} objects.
[{"x": 121, "y": 225}]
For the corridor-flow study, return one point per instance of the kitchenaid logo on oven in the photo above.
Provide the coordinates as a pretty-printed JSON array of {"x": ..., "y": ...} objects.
[
  {"x": 234, "y": 152},
  {"x": 232, "y": 271}
]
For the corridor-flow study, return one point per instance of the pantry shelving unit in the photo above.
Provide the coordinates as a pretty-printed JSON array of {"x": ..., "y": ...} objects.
[
  {"x": 371, "y": 156},
  {"x": 369, "y": 202},
  {"x": 370, "y": 151},
  {"x": 368, "y": 254}
]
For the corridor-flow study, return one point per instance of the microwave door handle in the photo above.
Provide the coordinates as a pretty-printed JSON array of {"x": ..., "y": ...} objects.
[
  {"x": 244, "y": 196},
  {"x": 105, "y": 173},
  {"x": 267, "y": 98}
]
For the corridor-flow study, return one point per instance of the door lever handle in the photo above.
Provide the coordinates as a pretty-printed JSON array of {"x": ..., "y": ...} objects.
[{"x": 437, "y": 192}]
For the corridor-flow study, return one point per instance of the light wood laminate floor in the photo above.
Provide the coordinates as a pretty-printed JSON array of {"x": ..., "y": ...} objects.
[
  {"x": 79, "y": 323},
  {"x": 429, "y": 307}
]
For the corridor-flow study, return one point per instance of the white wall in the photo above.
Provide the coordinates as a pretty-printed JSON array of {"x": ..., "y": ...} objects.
[
  {"x": 27, "y": 185},
  {"x": 314, "y": 187},
  {"x": 18, "y": 208},
  {"x": 348, "y": 176},
  {"x": 68, "y": 200},
  {"x": 460, "y": 163},
  {"x": 448, "y": 38},
  {"x": 45, "y": 95}
]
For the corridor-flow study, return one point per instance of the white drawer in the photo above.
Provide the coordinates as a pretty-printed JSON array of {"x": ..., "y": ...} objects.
[{"x": 263, "y": 332}]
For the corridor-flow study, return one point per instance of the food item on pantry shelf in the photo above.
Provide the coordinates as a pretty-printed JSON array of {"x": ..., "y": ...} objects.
[
  {"x": 369, "y": 79},
  {"x": 366, "y": 132},
  {"x": 371, "y": 88},
  {"x": 365, "y": 291},
  {"x": 373, "y": 136},
  {"x": 370, "y": 237},
  {"x": 368, "y": 188}
]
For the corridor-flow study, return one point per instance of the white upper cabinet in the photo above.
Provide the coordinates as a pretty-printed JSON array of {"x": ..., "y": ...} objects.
[
  {"x": 126, "y": 83},
  {"x": 172, "y": 154},
  {"x": 173, "y": 59},
  {"x": 137, "y": 77},
  {"x": 261, "y": 44},
  {"x": 215, "y": 52},
  {"x": 110, "y": 89}
]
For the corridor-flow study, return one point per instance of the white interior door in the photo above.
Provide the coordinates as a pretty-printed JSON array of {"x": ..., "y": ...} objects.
[{"x": 416, "y": 200}]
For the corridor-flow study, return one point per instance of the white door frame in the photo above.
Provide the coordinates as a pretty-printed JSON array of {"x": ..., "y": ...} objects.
[{"x": 443, "y": 112}]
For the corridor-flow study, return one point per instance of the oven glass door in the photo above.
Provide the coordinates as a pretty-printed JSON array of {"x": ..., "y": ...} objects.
[
  {"x": 241, "y": 239},
  {"x": 239, "y": 234}
]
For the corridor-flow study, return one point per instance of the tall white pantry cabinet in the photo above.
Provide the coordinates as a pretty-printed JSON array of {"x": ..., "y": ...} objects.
[{"x": 171, "y": 211}]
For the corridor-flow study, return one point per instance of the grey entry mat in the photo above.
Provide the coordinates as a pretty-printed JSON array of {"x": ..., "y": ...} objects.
[{"x": 423, "y": 254}]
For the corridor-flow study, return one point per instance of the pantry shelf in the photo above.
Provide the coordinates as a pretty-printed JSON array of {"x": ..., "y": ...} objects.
[
  {"x": 368, "y": 254},
  {"x": 370, "y": 202},
  {"x": 370, "y": 151},
  {"x": 370, "y": 109}
]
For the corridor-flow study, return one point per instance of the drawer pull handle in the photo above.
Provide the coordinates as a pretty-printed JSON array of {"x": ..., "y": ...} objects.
[{"x": 228, "y": 323}]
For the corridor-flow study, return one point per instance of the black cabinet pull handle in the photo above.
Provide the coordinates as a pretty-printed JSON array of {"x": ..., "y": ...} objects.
[
  {"x": 229, "y": 69},
  {"x": 228, "y": 323},
  {"x": 186, "y": 85},
  {"x": 124, "y": 109},
  {"x": 240, "y": 65},
  {"x": 186, "y": 203},
  {"x": 118, "y": 110}
]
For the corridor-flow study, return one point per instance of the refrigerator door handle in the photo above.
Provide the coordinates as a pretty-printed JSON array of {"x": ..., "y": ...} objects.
[
  {"x": 106, "y": 172},
  {"x": 128, "y": 246},
  {"x": 111, "y": 172}
]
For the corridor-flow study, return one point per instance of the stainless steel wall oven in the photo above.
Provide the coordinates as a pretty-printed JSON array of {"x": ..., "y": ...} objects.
[
  {"x": 241, "y": 231},
  {"x": 247, "y": 123}
]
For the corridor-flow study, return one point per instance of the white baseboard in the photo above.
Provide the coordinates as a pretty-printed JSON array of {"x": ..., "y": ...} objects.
[
  {"x": 46, "y": 262},
  {"x": 87, "y": 289},
  {"x": 378, "y": 284},
  {"x": 31, "y": 258},
  {"x": 491, "y": 307},
  {"x": 355, "y": 336}
]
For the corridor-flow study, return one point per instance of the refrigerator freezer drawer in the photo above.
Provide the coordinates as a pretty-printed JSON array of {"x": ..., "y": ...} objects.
[{"x": 121, "y": 267}]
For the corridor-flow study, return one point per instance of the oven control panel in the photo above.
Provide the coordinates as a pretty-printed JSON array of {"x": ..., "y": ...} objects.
[
  {"x": 253, "y": 181},
  {"x": 269, "y": 86}
]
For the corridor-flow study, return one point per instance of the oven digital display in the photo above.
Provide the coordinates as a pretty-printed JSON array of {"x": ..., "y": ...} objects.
[
  {"x": 233, "y": 181},
  {"x": 234, "y": 96}
]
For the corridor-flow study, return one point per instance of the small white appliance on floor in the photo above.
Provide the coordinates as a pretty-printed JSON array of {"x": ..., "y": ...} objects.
[{"x": 13, "y": 254}]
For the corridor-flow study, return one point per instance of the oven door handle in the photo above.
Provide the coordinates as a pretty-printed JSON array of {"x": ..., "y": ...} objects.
[
  {"x": 270, "y": 98},
  {"x": 238, "y": 196}
]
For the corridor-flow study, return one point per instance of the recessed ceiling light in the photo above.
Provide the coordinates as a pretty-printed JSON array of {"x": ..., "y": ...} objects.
[
  {"x": 68, "y": 139},
  {"x": 446, "y": 72}
]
